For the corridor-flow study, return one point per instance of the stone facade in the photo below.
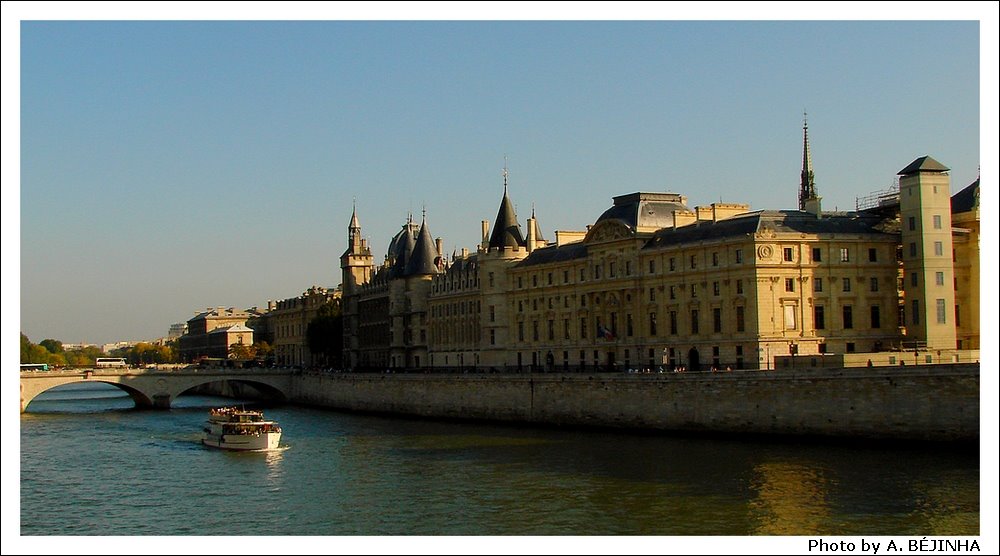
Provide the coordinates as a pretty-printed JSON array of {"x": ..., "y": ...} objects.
[
  {"x": 198, "y": 341},
  {"x": 288, "y": 320},
  {"x": 654, "y": 283}
]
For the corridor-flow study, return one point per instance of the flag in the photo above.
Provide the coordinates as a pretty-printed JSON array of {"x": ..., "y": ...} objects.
[{"x": 603, "y": 332}]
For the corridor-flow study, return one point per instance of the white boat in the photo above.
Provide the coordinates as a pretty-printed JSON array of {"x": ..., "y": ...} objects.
[{"x": 231, "y": 428}]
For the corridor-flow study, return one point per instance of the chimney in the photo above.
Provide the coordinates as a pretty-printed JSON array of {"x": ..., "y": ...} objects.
[
  {"x": 439, "y": 243},
  {"x": 486, "y": 233}
]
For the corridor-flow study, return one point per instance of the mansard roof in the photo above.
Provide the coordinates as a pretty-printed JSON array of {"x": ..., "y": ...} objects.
[
  {"x": 966, "y": 199},
  {"x": 423, "y": 258},
  {"x": 778, "y": 221},
  {"x": 555, "y": 254},
  {"x": 506, "y": 231},
  {"x": 645, "y": 211}
]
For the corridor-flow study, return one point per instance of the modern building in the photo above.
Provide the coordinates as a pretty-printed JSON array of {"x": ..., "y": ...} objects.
[
  {"x": 177, "y": 330},
  {"x": 656, "y": 283}
]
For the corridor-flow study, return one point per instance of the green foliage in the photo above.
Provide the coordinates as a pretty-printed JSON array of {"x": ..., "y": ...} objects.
[
  {"x": 53, "y": 346},
  {"x": 325, "y": 335},
  {"x": 144, "y": 353}
]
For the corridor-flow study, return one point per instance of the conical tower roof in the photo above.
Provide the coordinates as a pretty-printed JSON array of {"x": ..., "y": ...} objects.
[
  {"x": 423, "y": 258},
  {"x": 506, "y": 231},
  {"x": 537, "y": 228}
]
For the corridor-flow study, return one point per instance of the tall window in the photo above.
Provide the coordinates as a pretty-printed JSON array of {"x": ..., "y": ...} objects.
[
  {"x": 938, "y": 249},
  {"x": 915, "y": 305},
  {"x": 937, "y": 221},
  {"x": 847, "y": 284},
  {"x": 739, "y": 256},
  {"x": 652, "y": 266},
  {"x": 715, "y": 258},
  {"x": 715, "y": 289},
  {"x": 912, "y": 221},
  {"x": 628, "y": 324},
  {"x": 939, "y": 278},
  {"x": 740, "y": 322},
  {"x": 673, "y": 323},
  {"x": 913, "y": 279},
  {"x": 817, "y": 284},
  {"x": 817, "y": 255},
  {"x": 819, "y": 319},
  {"x": 652, "y": 324},
  {"x": 673, "y": 264},
  {"x": 693, "y": 262},
  {"x": 876, "y": 317},
  {"x": 788, "y": 254},
  {"x": 913, "y": 249},
  {"x": 789, "y": 284},
  {"x": 583, "y": 328},
  {"x": 717, "y": 320},
  {"x": 845, "y": 255},
  {"x": 694, "y": 290},
  {"x": 694, "y": 321},
  {"x": 789, "y": 317},
  {"x": 673, "y": 292},
  {"x": 873, "y": 284},
  {"x": 848, "y": 317},
  {"x": 940, "y": 311},
  {"x": 872, "y": 255},
  {"x": 520, "y": 331},
  {"x": 739, "y": 286}
]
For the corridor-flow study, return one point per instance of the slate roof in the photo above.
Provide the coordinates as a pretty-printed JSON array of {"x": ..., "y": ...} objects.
[
  {"x": 645, "y": 210},
  {"x": 966, "y": 199},
  {"x": 923, "y": 164}
]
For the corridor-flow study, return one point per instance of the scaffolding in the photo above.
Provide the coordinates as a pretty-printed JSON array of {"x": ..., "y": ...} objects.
[{"x": 883, "y": 198}]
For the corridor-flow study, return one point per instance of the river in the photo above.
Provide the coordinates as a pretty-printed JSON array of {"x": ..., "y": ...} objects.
[{"x": 93, "y": 465}]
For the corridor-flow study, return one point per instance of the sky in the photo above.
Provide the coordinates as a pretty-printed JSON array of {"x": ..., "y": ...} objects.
[
  {"x": 171, "y": 166},
  {"x": 162, "y": 158}
]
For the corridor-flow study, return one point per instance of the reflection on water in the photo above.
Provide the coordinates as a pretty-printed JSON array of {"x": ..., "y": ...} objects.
[
  {"x": 790, "y": 499},
  {"x": 342, "y": 474}
]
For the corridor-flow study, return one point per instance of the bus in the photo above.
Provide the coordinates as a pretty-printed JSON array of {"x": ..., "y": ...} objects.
[
  {"x": 34, "y": 366},
  {"x": 111, "y": 362}
]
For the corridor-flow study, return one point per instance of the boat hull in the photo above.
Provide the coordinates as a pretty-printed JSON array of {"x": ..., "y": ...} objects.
[{"x": 244, "y": 443}]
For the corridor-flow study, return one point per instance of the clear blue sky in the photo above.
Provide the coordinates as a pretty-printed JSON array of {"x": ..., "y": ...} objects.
[{"x": 169, "y": 166}]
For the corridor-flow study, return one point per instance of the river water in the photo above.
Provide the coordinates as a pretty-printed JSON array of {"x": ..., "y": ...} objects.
[{"x": 93, "y": 465}]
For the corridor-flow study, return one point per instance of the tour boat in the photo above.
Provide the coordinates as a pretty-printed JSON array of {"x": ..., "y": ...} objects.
[{"x": 231, "y": 428}]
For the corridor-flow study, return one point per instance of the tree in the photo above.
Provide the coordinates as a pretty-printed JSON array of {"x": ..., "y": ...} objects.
[
  {"x": 241, "y": 352},
  {"x": 54, "y": 346},
  {"x": 325, "y": 334},
  {"x": 263, "y": 351},
  {"x": 32, "y": 353}
]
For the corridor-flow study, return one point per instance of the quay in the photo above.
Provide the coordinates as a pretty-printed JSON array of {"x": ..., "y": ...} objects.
[{"x": 929, "y": 402}]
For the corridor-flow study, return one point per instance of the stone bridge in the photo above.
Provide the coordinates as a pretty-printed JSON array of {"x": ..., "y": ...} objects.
[{"x": 156, "y": 388}]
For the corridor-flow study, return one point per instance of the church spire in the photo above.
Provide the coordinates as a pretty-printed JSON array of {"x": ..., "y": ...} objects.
[{"x": 807, "y": 185}]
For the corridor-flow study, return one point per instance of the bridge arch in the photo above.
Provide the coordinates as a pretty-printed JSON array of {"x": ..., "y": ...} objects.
[
  {"x": 158, "y": 388},
  {"x": 139, "y": 397}
]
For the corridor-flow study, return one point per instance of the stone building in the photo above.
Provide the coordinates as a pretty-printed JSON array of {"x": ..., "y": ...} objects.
[
  {"x": 655, "y": 283},
  {"x": 210, "y": 333},
  {"x": 288, "y": 321}
]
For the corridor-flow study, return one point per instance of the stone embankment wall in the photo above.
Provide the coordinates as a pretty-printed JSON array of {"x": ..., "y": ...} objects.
[{"x": 937, "y": 402}]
